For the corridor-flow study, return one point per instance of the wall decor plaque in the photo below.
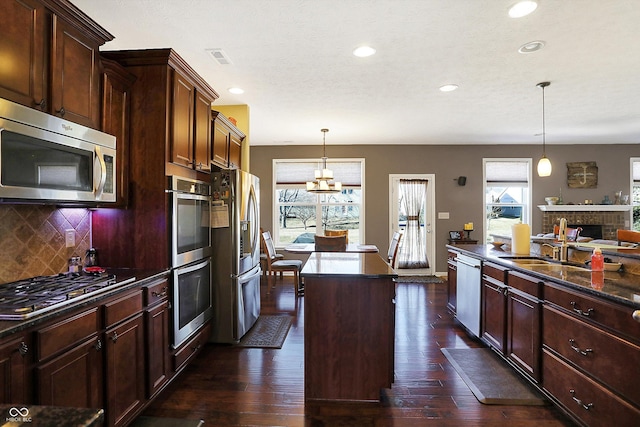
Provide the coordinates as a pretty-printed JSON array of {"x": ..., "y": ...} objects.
[{"x": 582, "y": 175}]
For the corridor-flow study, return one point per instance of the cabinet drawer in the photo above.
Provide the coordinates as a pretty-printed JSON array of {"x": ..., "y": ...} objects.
[
  {"x": 602, "y": 355},
  {"x": 607, "y": 314},
  {"x": 52, "y": 339},
  {"x": 525, "y": 284},
  {"x": 122, "y": 308},
  {"x": 190, "y": 348},
  {"x": 492, "y": 270},
  {"x": 155, "y": 292},
  {"x": 593, "y": 404}
]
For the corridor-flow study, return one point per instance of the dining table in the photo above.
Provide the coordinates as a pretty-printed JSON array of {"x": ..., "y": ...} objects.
[{"x": 307, "y": 248}]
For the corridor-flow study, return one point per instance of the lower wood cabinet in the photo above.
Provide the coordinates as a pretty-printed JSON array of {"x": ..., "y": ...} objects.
[
  {"x": 125, "y": 374},
  {"x": 74, "y": 378},
  {"x": 494, "y": 307},
  {"x": 16, "y": 354},
  {"x": 158, "y": 345},
  {"x": 187, "y": 351}
]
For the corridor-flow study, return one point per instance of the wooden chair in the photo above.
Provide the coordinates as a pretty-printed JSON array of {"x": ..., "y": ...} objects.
[
  {"x": 337, "y": 233},
  {"x": 572, "y": 233},
  {"x": 275, "y": 265},
  {"x": 263, "y": 255},
  {"x": 628, "y": 237},
  {"x": 330, "y": 243},
  {"x": 393, "y": 248}
]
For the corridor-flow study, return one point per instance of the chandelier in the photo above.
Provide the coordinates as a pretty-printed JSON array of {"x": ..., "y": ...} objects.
[
  {"x": 544, "y": 165},
  {"x": 324, "y": 177}
]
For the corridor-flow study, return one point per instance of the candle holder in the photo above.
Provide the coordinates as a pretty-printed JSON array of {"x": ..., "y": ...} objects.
[{"x": 468, "y": 233}]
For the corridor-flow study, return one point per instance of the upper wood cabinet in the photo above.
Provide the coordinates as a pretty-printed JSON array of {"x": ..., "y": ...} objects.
[
  {"x": 52, "y": 50},
  {"x": 227, "y": 142},
  {"x": 169, "y": 99}
]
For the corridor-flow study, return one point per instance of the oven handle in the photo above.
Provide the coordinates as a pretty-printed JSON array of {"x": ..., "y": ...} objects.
[{"x": 190, "y": 268}]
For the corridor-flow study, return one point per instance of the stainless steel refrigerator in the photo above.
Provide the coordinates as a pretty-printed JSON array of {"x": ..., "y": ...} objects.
[{"x": 235, "y": 240}]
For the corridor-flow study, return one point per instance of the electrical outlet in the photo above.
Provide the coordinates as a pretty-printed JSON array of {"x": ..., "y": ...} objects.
[{"x": 70, "y": 237}]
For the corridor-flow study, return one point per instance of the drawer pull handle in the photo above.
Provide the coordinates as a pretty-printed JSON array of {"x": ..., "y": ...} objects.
[
  {"x": 23, "y": 349},
  {"x": 581, "y": 312},
  {"x": 114, "y": 337},
  {"x": 98, "y": 345},
  {"x": 577, "y": 349},
  {"x": 61, "y": 112},
  {"x": 587, "y": 407},
  {"x": 636, "y": 315},
  {"x": 161, "y": 294}
]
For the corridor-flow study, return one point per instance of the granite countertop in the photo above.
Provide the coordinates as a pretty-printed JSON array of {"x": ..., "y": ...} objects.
[
  {"x": 8, "y": 327},
  {"x": 346, "y": 264},
  {"x": 619, "y": 286},
  {"x": 50, "y": 416}
]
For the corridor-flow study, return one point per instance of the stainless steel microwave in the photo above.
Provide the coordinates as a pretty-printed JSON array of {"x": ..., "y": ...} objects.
[{"x": 44, "y": 158}]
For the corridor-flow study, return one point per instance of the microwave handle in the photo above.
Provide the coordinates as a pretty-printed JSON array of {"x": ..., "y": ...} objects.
[{"x": 101, "y": 164}]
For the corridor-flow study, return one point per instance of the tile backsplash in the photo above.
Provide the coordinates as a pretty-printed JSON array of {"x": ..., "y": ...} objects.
[{"x": 32, "y": 239}]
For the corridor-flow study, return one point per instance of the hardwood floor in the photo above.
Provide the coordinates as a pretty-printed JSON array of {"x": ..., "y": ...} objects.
[{"x": 230, "y": 386}]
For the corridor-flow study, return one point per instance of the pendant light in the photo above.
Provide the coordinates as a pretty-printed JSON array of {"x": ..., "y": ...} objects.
[
  {"x": 324, "y": 176},
  {"x": 544, "y": 165}
]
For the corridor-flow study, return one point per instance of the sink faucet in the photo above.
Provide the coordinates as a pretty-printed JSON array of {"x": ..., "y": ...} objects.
[
  {"x": 562, "y": 238},
  {"x": 555, "y": 253}
]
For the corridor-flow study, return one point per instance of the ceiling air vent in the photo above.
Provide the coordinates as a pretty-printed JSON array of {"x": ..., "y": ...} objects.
[{"x": 220, "y": 57}]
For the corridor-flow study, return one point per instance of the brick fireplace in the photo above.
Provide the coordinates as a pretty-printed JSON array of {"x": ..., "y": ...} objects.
[{"x": 608, "y": 221}]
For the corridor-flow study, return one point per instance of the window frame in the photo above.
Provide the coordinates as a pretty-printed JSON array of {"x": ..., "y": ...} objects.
[
  {"x": 320, "y": 198},
  {"x": 635, "y": 205},
  {"x": 527, "y": 206}
]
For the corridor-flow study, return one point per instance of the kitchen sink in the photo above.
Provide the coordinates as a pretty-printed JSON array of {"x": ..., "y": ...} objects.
[
  {"x": 530, "y": 261},
  {"x": 556, "y": 267}
]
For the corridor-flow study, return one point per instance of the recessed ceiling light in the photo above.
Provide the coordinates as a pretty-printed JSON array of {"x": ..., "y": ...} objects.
[
  {"x": 236, "y": 90},
  {"x": 531, "y": 46},
  {"x": 522, "y": 8},
  {"x": 448, "y": 88},
  {"x": 364, "y": 51}
]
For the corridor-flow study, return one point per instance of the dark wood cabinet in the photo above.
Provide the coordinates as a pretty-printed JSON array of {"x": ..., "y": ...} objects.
[
  {"x": 16, "y": 353},
  {"x": 202, "y": 132},
  {"x": 494, "y": 306},
  {"x": 125, "y": 373},
  {"x": 157, "y": 339},
  {"x": 452, "y": 281},
  {"x": 187, "y": 351},
  {"x": 116, "y": 110},
  {"x": 181, "y": 143},
  {"x": 74, "y": 378},
  {"x": 227, "y": 142},
  {"x": 57, "y": 65}
]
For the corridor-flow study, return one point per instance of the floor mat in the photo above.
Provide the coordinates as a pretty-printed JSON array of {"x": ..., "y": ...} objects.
[
  {"x": 490, "y": 379},
  {"x": 267, "y": 332}
]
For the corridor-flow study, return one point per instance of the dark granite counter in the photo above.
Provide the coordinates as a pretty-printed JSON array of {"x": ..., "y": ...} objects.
[
  {"x": 619, "y": 286},
  {"x": 347, "y": 264},
  {"x": 50, "y": 416},
  {"x": 8, "y": 327}
]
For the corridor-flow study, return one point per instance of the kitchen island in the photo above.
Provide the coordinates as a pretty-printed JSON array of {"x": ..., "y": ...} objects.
[{"x": 349, "y": 323}]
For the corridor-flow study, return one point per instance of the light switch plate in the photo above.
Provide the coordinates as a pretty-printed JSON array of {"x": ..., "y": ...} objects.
[
  {"x": 70, "y": 238},
  {"x": 443, "y": 215}
]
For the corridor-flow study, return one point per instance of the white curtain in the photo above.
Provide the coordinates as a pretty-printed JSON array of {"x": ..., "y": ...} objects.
[{"x": 412, "y": 253}]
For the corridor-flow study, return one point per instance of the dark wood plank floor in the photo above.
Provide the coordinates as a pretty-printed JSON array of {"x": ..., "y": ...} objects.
[{"x": 230, "y": 386}]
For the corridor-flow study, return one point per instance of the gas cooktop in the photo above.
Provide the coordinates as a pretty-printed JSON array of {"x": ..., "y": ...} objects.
[{"x": 31, "y": 297}]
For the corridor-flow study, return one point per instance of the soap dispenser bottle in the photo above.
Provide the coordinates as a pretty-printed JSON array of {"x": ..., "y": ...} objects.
[{"x": 597, "y": 260}]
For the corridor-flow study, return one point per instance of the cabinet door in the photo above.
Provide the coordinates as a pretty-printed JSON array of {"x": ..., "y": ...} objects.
[
  {"x": 494, "y": 313},
  {"x": 73, "y": 378},
  {"x": 124, "y": 346},
  {"x": 220, "y": 144},
  {"x": 15, "y": 356},
  {"x": 202, "y": 133},
  {"x": 22, "y": 44},
  {"x": 75, "y": 80},
  {"x": 235, "y": 151},
  {"x": 158, "y": 350},
  {"x": 452, "y": 270},
  {"x": 523, "y": 333},
  {"x": 116, "y": 100},
  {"x": 182, "y": 121}
]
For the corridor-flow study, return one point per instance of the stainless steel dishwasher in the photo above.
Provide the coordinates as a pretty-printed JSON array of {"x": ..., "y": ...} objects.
[{"x": 468, "y": 293}]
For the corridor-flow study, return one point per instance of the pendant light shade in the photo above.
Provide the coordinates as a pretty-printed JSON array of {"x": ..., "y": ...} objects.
[
  {"x": 323, "y": 182},
  {"x": 544, "y": 165}
]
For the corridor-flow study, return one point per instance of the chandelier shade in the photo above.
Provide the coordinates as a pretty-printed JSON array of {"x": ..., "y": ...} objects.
[
  {"x": 324, "y": 182},
  {"x": 544, "y": 164}
]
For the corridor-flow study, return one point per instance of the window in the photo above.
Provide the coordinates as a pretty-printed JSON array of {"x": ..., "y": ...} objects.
[
  {"x": 507, "y": 195},
  {"x": 299, "y": 214},
  {"x": 635, "y": 193}
]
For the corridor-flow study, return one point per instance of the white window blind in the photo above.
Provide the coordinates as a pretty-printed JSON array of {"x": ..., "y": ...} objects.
[
  {"x": 348, "y": 172},
  {"x": 507, "y": 171}
]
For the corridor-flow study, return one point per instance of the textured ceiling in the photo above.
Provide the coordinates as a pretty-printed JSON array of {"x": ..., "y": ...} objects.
[{"x": 294, "y": 60}]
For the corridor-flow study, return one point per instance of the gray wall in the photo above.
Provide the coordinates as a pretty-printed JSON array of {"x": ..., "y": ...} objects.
[{"x": 464, "y": 204}]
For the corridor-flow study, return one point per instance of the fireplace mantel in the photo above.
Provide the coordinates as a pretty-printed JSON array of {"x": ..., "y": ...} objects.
[{"x": 585, "y": 208}]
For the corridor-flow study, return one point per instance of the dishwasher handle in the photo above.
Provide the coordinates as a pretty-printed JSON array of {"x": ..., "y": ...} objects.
[{"x": 469, "y": 265}]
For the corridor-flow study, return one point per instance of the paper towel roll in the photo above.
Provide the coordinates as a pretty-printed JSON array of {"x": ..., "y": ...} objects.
[{"x": 520, "y": 239}]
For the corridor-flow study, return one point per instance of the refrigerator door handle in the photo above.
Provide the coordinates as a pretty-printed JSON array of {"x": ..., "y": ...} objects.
[{"x": 247, "y": 278}]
